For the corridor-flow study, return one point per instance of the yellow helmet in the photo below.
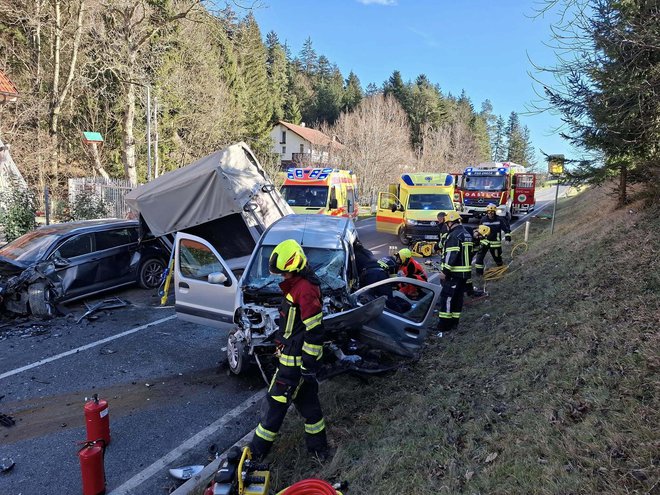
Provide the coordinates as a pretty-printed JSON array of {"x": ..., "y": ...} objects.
[
  {"x": 404, "y": 255},
  {"x": 491, "y": 207},
  {"x": 484, "y": 230},
  {"x": 452, "y": 216},
  {"x": 287, "y": 256}
]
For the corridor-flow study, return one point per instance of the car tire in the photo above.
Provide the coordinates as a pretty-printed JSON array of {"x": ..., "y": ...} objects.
[
  {"x": 150, "y": 273},
  {"x": 402, "y": 236},
  {"x": 238, "y": 358},
  {"x": 38, "y": 300}
]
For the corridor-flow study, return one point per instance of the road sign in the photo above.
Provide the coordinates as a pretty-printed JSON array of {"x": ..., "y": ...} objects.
[
  {"x": 92, "y": 137},
  {"x": 555, "y": 164}
]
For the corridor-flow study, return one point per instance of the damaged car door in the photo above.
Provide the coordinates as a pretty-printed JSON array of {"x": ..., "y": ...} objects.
[
  {"x": 76, "y": 265},
  {"x": 204, "y": 286},
  {"x": 402, "y": 326}
]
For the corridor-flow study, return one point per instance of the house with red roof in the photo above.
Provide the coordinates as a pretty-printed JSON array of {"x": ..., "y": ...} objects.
[
  {"x": 8, "y": 91},
  {"x": 300, "y": 145}
]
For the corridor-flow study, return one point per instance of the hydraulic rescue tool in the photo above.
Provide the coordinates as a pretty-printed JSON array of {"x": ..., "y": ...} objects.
[{"x": 238, "y": 475}]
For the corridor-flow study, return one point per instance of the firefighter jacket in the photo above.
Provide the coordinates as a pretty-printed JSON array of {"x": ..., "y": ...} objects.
[
  {"x": 301, "y": 325},
  {"x": 442, "y": 237},
  {"x": 458, "y": 251},
  {"x": 497, "y": 225}
]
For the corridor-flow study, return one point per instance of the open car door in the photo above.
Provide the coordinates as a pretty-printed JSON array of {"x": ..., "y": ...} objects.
[
  {"x": 389, "y": 217},
  {"x": 402, "y": 326},
  {"x": 204, "y": 286}
]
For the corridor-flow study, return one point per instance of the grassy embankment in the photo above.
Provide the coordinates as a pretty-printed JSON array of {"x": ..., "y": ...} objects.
[{"x": 549, "y": 386}]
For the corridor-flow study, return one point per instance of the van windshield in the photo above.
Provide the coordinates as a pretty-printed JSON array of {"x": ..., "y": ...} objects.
[
  {"x": 484, "y": 183},
  {"x": 430, "y": 202},
  {"x": 315, "y": 196},
  {"x": 328, "y": 264}
]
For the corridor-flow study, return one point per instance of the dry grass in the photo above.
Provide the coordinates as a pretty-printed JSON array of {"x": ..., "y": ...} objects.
[{"x": 554, "y": 393}]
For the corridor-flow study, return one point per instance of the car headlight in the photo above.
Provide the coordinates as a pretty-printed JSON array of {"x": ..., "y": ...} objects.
[
  {"x": 411, "y": 222},
  {"x": 433, "y": 224}
]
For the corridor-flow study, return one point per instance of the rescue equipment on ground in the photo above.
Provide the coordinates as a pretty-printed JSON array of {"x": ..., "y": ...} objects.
[
  {"x": 97, "y": 420},
  {"x": 238, "y": 475},
  {"x": 91, "y": 467},
  {"x": 424, "y": 248},
  {"x": 166, "y": 281},
  {"x": 312, "y": 486},
  {"x": 497, "y": 272}
]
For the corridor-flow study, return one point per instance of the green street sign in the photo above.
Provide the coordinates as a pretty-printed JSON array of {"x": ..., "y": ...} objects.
[{"x": 93, "y": 137}]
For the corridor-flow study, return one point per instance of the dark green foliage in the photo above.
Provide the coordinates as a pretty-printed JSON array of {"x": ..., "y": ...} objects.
[
  {"x": 18, "y": 208},
  {"x": 352, "y": 93},
  {"x": 87, "y": 206}
]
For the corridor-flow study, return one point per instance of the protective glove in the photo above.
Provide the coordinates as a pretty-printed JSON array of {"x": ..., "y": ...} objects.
[{"x": 507, "y": 237}]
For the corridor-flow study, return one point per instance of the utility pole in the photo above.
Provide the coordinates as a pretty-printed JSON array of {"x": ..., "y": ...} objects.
[
  {"x": 555, "y": 169},
  {"x": 148, "y": 132},
  {"x": 155, "y": 137}
]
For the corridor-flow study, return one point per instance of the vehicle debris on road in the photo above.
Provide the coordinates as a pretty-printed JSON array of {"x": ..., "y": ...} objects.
[{"x": 112, "y": 303}]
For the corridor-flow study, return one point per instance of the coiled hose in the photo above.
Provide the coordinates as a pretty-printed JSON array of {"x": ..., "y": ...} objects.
[
  {"x": 498, "y": 272},
  {"x": 311, "y": 486}
]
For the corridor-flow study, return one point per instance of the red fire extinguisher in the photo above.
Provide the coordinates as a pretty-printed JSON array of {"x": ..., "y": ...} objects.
[
  {"x": 91, "y": 468},
  {"x": 97, "y": 420}
]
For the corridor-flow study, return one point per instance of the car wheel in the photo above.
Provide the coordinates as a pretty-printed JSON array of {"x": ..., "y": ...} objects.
[
  {"x": 402, "y": 236},
  {"x": 150, "y": 273},
  {"x": 237, "y": 354},
  {"x": 38, "y": 300}
]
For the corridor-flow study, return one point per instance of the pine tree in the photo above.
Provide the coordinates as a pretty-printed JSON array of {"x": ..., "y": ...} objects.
[
  {"x": 257, "y": 99},
  {"x": 498, "y": 142},
  {"x": 277, "y": 76},
  {"x": 395, "y": 86},
  {"x": 308, "y": 59},
  {"x": 515, "y": 144},
  {"x": 371, "y": 90},
  {"x": 529, "y": 152},
  {"x": 352, "y": 93}
]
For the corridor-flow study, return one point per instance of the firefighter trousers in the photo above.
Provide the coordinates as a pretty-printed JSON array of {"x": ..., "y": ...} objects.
[
  {"x": 451, "y": 303},
  {"x": 496, "y": 253},
  {"x": 282, "y": 392}
]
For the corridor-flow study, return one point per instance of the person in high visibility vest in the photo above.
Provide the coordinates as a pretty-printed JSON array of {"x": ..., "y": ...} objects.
[
  {"x": 456, "y": 271},
  {"x": 300, "y": 339},
  {"x": 493, "y": 241}
]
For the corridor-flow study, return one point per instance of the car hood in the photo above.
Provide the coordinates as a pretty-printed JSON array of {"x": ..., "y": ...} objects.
[{"x": 10, "y": 268}]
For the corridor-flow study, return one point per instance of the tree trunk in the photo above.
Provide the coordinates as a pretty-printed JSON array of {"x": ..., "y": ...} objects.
[
  {"x": 128, "y": 140},
  {"x": 98, "y": 166},
  {"x": 623, "y": 185}
]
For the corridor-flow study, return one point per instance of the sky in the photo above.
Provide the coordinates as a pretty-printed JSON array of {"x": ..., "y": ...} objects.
[{"x": 481, "y": 46}]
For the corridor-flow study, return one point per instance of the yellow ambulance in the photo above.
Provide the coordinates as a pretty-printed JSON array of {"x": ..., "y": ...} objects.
[
  {"x": 409, "y": 209},
  {"x": 328, "y": 191}
]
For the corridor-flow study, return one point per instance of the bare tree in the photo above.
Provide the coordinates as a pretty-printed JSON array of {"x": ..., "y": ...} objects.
[{"x": 376, "y": 139}]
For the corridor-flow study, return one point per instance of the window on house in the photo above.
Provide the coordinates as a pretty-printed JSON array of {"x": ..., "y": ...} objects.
[
  {"x": 284, "y": 150},
  {"x": 283, "y": 137},
  {"x": 302, "y": 148}
]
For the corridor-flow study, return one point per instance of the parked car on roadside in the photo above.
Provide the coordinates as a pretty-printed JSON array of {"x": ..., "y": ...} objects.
[
  {"x": 62, "y": 262},
  {"x": 357, "y": 319}
]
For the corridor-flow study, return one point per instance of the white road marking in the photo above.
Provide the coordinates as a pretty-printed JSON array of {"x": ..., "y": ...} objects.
[
  {"x": 83, "y": 348},
  {"x": 380, "y": 245},
  {"x": 189, "y": 444}
]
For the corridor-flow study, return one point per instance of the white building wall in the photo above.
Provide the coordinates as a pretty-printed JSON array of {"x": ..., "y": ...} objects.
[{"x": 292, "y": 145}]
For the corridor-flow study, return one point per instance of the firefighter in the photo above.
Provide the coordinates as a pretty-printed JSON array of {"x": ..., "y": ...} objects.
[
  {"x": 493, "y": 242},
  {"x": 443, "y": 231},
  {"x": 409, "y": 268},
  {"x": 300, "y": 340},
  {"x": 456, "y": 271},
  {"x": 368, "y": 267}
]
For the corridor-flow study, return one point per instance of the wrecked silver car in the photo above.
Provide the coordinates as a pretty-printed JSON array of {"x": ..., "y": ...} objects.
[
  {"x": 359, "y": 321},
  {"x": 62, "y": 262}
]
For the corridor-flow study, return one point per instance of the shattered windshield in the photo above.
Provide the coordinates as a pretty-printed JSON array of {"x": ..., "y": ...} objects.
[
  {"x": 316, "y": 196},
  {"x": 484, "y": 183},
  {"x": 328, "y": 264},
  {"x": 30, "y": 247}
]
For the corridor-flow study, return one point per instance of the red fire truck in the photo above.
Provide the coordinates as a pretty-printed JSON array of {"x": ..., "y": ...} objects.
[{"x": 507, "y": 185}]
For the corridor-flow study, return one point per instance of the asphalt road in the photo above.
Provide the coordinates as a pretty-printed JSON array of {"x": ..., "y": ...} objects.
[{"x": 170, "y": 394}]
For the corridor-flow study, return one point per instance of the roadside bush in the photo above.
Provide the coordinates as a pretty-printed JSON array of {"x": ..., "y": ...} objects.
[
  {"x": 87, "y": 206},
  {"x": 18, "y": 208}
]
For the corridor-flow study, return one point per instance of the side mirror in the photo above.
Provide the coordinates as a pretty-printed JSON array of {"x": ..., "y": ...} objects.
[
  {"x": 60, "y": 262},
  {"x": 268, "y": 188},
  {"x": 333, "y": 204},
  {"x": 400, "y": 207},
  {"x": 218, "y": 278}
]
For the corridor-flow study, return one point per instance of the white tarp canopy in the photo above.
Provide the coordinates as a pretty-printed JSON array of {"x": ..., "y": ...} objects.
[{"x": 226, "y": 182}]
